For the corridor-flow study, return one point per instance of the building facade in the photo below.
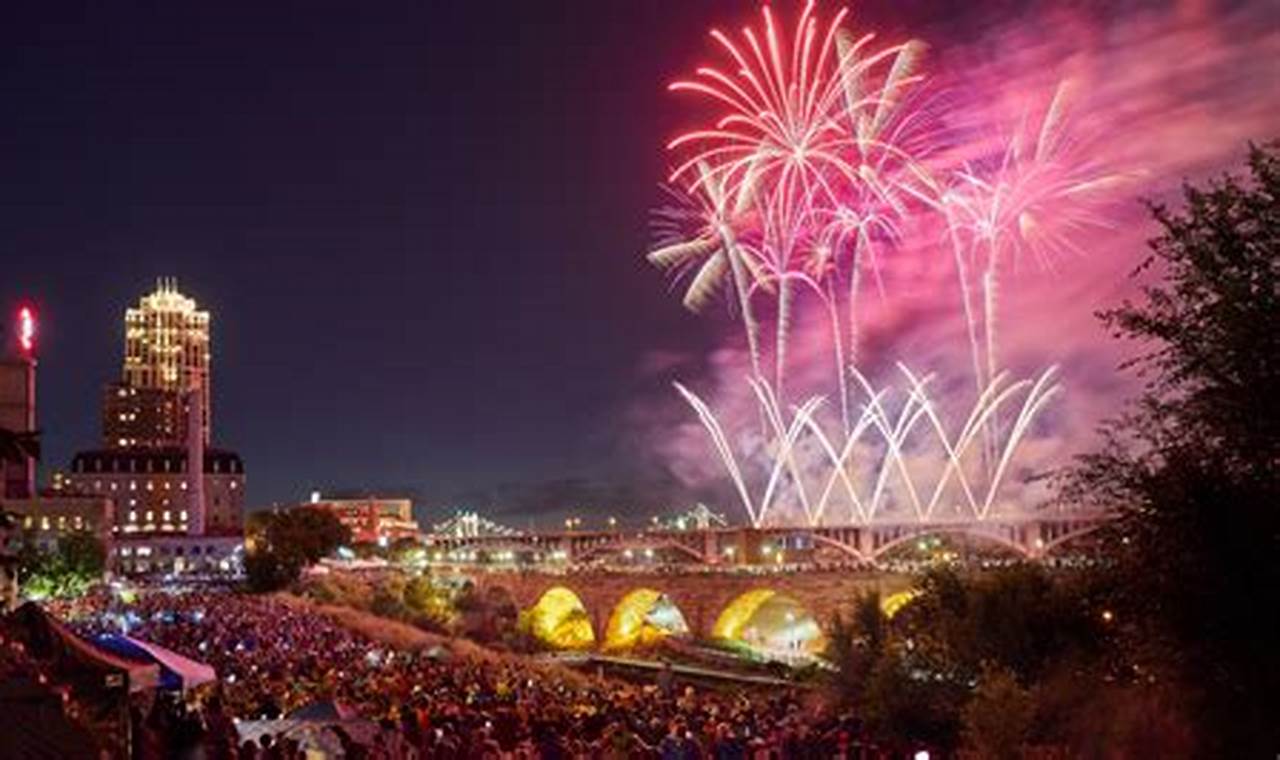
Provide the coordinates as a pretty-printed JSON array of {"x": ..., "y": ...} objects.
[
  {"x": 179, "y": 555},
  {"x": 18, "y": 415},
  {"x": 168, "y": 516},
  {"x": 47, "y": 517},
  {"x": 151, "y": 489},
  {"x": 166, "y": 349},
  {"x": 149, "y": 418},
  {"x": 372, "y": 519}
]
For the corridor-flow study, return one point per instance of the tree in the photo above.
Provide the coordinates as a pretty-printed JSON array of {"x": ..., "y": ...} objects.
[
  {"x": 306, "y": 533},
  {"x": 69, "y": 569},
  {"x": 997, "y": 721},
  {"x": 857, "y": 645},
  {"x": 1192, "y": 467},
  {"x": 286, "y": 542}
]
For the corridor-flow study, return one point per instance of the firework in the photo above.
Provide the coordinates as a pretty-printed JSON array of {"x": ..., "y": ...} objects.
[
  {"x": 1030, "y": 200},
  {"x": 811, "y": 135},
  {"x": 889, "y": 442},
  {"x": 819, "y": 145}
]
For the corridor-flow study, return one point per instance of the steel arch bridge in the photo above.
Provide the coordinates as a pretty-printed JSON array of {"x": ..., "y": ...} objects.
[{"x": 1033, "y": 537}]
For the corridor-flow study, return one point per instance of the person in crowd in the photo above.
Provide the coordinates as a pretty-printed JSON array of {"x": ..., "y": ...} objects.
[{"x": 273, "y": 657}]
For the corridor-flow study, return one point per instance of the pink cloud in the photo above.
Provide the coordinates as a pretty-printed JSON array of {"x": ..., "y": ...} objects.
[{"x": 1162, "y": 97}]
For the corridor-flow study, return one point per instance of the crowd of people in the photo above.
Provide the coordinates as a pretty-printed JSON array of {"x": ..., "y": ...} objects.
[{"x": 274, "y": 656}]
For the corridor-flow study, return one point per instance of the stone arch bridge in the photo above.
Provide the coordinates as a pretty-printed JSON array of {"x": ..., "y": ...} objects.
[{"x": 700, "y": 596}]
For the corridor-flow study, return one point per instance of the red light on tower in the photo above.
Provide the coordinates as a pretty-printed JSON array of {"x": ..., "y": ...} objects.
[{"x": 27, "y": 330}]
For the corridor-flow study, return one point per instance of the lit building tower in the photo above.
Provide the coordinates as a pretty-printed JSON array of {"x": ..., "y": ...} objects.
[{"x": 167, "y": 347}]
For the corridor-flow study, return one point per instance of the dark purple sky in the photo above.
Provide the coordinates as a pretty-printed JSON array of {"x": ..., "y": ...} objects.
[{"x": 418, "y": 225}]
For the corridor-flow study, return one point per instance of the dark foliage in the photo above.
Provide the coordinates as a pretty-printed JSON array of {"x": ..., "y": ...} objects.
[
  {"x": 285, "y": 542},
  {"x": 1192, "y": 468}
]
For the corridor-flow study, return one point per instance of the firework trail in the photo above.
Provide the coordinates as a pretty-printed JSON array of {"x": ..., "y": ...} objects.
[
  {"x": 697, "y": 233},
  {"x": 813, "y": 136},
  {"x": 777, "y": 141},
  {"x": 888, "y": 425},
  {"x": 1037, "y": 193}
]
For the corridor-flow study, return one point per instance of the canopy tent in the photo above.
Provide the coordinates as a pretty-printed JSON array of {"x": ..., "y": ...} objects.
[
  {"x": 74, "y": 659},
  {"x": 177, "y": 673}
]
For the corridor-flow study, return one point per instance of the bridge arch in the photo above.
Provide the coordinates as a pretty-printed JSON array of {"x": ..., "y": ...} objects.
[
  {"x": 641, "y": 618},
  {"x": 618, "y": 547},
  {"x": 559, "y": 620},
  {"x": 770, "y": 624},
  {"x": 851, "y": 551},
  {"x": 892, "y": 604},
  {"x": 964, "y": 531}
]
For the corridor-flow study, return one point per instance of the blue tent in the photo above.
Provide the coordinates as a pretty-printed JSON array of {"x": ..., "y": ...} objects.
[{"x": 177, "y": 673}]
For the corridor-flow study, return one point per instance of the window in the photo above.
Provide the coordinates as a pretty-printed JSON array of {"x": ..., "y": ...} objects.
[{"x": 133, "y": 515}]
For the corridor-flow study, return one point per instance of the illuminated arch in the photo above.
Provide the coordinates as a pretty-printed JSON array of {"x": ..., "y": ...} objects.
[
  {"x": 961, "y": 531},
  {"x": 642, "y": 618},
  {"x": 771, "y": 624},
  {"x": 840, "y": 546},
  {"x": 892, "y": 604},
  {"x": 559, "y": 620}
]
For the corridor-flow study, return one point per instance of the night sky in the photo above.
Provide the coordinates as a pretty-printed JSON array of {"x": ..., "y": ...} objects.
[{"x": 418, "y": 227}]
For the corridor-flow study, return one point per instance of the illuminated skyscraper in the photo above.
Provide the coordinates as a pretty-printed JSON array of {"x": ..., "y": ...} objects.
[{"x": 166, "y": 349}]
